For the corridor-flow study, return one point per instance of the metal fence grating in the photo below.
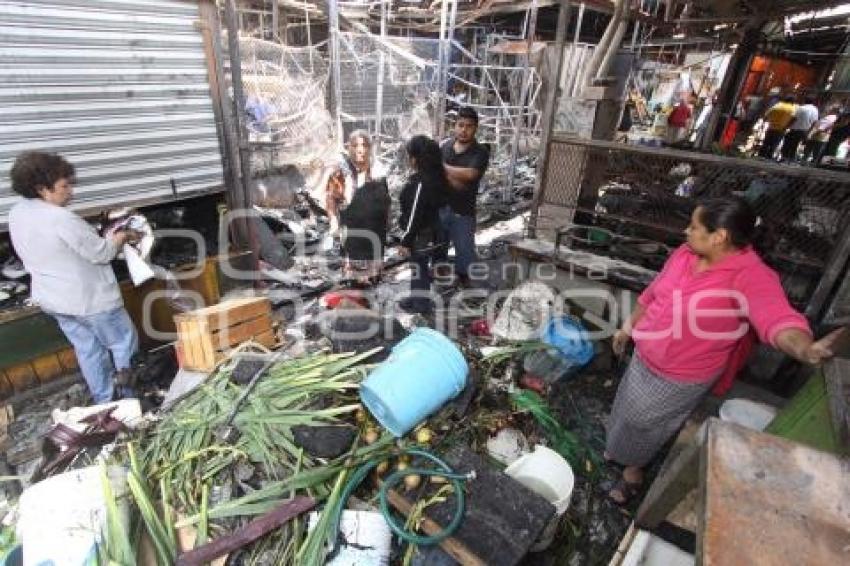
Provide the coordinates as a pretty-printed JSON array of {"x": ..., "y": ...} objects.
[{"x": 649, "y": 193}]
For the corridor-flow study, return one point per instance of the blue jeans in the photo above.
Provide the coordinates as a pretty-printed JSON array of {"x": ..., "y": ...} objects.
[
  {"x": 94, "y": 338},
  {"x": 460, "y": 230}
]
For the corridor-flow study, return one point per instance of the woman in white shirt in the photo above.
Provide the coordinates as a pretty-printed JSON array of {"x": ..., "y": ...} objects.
[{"x": 72, "y": 279}]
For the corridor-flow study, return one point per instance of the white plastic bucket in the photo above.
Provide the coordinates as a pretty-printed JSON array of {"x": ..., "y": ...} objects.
[
  {"x": 751, "y": 414},
  {"x": 546, "y": 473},
  {"x": 62, "y": 518}
]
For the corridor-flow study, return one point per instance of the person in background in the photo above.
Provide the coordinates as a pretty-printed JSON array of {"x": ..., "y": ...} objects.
[
  {"x": 804, "y": 118},
  {"x": 358, "y": 203},
  {"x": 840, "y": 132},
  {"x": 778, "y": 118},
  {"x": 678, "y": 122},
  {"x": 819, "y": 136},
  {"x": 692, "y": 333},
  {"x": 465, "y": 162},
  {"x": 421, "y": 199},
  {"x": 72, "y": 279}
]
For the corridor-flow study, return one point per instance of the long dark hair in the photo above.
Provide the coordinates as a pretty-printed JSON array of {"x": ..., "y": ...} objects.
[
  {"x": 734, "y": 214},
  {"x": 429, "y": 160}
]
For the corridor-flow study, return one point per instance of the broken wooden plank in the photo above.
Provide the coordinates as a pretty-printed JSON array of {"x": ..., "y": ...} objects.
[{"x": 247, "y": 534}]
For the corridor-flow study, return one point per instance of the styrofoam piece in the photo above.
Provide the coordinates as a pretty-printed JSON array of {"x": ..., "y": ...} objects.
[
  {"x": 62, "y": 518},
  {"x": 751, "y": 414},
  {"x": 368, "y": 539},
  {"x": 508, "y": 446}
]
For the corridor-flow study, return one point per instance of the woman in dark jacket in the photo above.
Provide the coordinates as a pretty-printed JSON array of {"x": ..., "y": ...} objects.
[{"x": 420, "y": 200}]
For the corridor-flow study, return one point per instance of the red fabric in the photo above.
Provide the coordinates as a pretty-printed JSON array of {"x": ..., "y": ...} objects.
[
  {"x": 679, "y": 116},
  {"x": 694, "y": 323},
  {"x": 736, "y": 363},
  {"x": 729, "y": 134}
]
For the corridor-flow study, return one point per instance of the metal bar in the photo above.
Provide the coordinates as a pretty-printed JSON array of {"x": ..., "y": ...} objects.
[
  {"x": 636, "y": 31},
  {"x": 275, "y": 22},
  {"x": 579, "y": 22},
  {"x": 439, "y": 127},
  {"x": 333, "y": 25},
  {"x": 211, "y": 32},
  {"x": 309, "y": 35},
  {"x": 379, "y": 98},
  {"x": 526, "y": 79},
  {"x": 549, "y": 112},
  {"x": 241, "y": 127},
  {"x": 836, "y": 266}
]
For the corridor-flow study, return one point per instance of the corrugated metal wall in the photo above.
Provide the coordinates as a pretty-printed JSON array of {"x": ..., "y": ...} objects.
[{"x": 120, "y": 87}]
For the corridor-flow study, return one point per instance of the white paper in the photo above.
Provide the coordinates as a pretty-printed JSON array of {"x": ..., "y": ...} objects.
[{"x": 140, "y": 271}]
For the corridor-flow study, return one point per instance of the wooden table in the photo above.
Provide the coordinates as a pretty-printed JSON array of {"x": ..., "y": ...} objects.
[{"x": 761, "y": 499}]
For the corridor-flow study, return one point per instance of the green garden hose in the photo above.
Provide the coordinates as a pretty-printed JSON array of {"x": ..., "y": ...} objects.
[{"x": 398, "y": 476}]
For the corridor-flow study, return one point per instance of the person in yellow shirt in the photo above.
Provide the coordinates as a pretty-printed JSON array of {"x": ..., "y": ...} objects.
[{"x": 778, "y": 118}]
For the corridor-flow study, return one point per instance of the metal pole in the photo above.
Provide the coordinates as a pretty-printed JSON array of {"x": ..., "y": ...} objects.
[
  {"x": 579, "y": 21},
  {"x": 439, "y": 127},
  {"x": 549, "y": 114},
  {"x": 637, "y": 27},
  {"x": 526, "y": 80},
  {"x": 241, "y": 127},
  {"x": 309, "y": 35},
  {"x": 333, "y": 24},
  {"x": 379, "y": 104},
  {"x": 275, "y": 23}
]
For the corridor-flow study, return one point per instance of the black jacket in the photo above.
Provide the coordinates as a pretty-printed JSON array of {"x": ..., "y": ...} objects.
[{"x": 420, "y": 200}]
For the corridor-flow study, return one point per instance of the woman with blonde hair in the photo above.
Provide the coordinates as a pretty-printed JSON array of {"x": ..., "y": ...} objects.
[{"x": 358, "y": 203}]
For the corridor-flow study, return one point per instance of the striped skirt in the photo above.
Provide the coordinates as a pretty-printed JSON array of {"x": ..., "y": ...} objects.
[{"x": 648, "y": 410}]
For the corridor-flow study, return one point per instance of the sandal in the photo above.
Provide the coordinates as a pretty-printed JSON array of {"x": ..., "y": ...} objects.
[{"x": 625, "y": 489}]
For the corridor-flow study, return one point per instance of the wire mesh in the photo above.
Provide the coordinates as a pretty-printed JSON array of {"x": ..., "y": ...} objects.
[{"x": 649, "y": 194}]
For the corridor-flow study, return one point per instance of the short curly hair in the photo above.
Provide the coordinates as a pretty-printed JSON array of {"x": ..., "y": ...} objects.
[{"x": 34, "y": 170}]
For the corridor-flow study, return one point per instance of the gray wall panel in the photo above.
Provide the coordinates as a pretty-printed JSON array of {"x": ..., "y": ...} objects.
[{"x": 119, "y": 87}]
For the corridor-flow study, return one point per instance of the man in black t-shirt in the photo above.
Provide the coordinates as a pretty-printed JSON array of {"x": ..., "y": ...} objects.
[{"x": 465, "y": 161}]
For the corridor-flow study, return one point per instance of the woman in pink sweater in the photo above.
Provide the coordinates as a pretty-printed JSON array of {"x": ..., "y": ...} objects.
[{"x": 693, "y": 329}]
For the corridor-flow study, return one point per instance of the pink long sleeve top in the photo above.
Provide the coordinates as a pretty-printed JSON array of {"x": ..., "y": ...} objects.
[{"x": 697, "y": 326}]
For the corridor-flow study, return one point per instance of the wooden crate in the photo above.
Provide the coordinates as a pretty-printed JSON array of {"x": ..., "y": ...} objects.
[{"x": 206, "y": 335}]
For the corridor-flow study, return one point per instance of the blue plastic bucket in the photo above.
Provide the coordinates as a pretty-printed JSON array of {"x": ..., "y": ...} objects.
[
  {"x": 423, "y": 372},
  {"x": 570, "y": 340}
]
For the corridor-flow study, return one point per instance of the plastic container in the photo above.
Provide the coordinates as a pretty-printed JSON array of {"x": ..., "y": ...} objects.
[
  {"x": 747, "y": 413},
  {"x": 423, "y": 372},
  {"x": 569, "y": 337},
  {"x": 546, "y": 473}
]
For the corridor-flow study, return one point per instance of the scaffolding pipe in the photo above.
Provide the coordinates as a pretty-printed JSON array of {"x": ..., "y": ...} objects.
[
  {"x": 441, "y": 69},
  {"x": 602, "y": 46},
  {"x": 636, "y": 30},
  {"x": 446, "y": 37},
  {"x": 549, "y": 112},
  {"x": 579, "y": 21},
  {"x": 309, "y": 35},
  {"x": 526, "y": 76},
  {"x": 333, "y": 24},
  {"x": 248, "y": 232},
  {"x": 379, "y": 103},
  {"x": 616, "y": 40}
]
